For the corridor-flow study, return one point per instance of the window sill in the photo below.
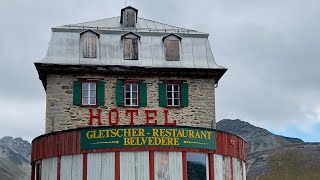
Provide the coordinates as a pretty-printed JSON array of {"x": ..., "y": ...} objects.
[
  {"x": 92, "y": 106},
  {"x": 174, "y": 107}
]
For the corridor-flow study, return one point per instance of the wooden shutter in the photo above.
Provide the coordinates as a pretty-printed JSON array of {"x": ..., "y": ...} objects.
[
  {"x": 184, "y": 94},
  {"x": 119, "y": 93},
  {"x": 101, "y": 93},
  {"x": 130, "y": 50},
  {"x": 162, "y": 95},
  {"x": 172, "y": 50},
  {"x": 143, "y": 94},
  {"x": 89, "y": 46},
  {"x": 130, "y": 16},
  {"x": 77, "y": 93}
]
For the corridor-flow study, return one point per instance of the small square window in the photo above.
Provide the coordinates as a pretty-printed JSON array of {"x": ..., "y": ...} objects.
[
  {"x": 89, "y": 93},
  {"x": 131, "y": 91},
  {"x": 173, "y": 94},
  {"x": 172, "y": 50},
  {"x": 130, "y": 50}
]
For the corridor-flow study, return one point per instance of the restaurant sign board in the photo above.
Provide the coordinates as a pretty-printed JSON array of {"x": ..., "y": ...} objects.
[{"x": 148, "y": 136}]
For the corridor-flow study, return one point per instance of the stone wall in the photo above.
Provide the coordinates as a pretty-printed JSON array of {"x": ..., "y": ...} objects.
[{"x": 61, "y": 114}]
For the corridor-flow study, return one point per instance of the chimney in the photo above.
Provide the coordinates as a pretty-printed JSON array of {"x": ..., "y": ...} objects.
[{"x": 129, "y": 16}]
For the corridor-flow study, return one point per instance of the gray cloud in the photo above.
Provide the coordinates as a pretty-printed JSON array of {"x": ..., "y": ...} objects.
[{"x": 270, "y": 47}]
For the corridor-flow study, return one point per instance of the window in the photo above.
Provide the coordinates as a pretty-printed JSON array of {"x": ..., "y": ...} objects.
[
  {"x": 172, "y": 49},
  {"x": 88, "y": 92},
  {"x": 131, "y": 94},
  {"x": 129, "y": 16},
  {"x": 197, "y": 166},
  {"x": 89, "y": 44},
  {"x": 130, "y": 49},
  {"x": 37, "y": 170},
  {"x": 130, "y": 46},
  {"x": 173, "y": 94}
]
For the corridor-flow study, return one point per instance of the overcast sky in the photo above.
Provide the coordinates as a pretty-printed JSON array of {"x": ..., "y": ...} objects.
[{"x": 270, "y": 47}]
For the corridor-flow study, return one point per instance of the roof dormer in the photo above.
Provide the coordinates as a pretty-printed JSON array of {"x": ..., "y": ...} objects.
[{"x": 129, "y": 16}]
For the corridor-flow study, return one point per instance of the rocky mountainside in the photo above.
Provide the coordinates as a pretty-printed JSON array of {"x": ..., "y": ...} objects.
[
  {"x": 267, "y": 153},
  {"x": 14, "y": 159}
]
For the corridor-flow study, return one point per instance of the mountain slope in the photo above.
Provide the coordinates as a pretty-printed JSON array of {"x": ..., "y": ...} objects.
[
  {"x": 271, "y": 156},
  {"x": 14, "y": 159}
]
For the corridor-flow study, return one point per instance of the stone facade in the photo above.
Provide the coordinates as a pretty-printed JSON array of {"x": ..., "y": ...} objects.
[{"x": 61, "y": 114}]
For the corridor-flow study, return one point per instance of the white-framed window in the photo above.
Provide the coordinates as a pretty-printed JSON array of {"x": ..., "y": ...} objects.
[
  {"x": 173, "y": 94},
  {"x": 89, "y": 93},
  {"x": 131, "y": 91}
]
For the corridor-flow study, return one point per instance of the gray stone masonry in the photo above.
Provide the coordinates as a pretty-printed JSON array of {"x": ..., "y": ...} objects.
[{"x": 61, "y": 114}]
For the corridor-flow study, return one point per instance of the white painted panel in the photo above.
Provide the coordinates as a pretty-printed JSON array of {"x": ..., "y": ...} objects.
[
  {"x": 244, "y": 172},
  {"x": 157, "y": 49},
  {"x": 161, "y": 166},
  {"x": 107, "y": 165},
  {"x": 218, "y": 169},
  {"x": 94, "y": 166},
  {"x": 175, "y": 165},
  {"x": 77, "y": 165},
  {"x": 116, "y": 49},
  {"x": 145, "y": 57},
  {"x": 66, "y": 166},
  {"x": 127, "y": 165},
  {"x": 199, "y": 52},
  {"x": 49, "y": 169},
  {"x": 210, "y": 58},
  {"x": 207, "y": 166},
  {"x": 186, "y": 56},
  {"x": 142, "y": 165},
  {"x": 226, "y": 168},
  {"x": 236, "y": 169}
]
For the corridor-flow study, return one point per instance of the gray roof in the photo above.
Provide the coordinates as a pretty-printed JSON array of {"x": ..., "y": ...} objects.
[
  {"x": 143, "y": 25},
  {"x": 195, "y": 51}
]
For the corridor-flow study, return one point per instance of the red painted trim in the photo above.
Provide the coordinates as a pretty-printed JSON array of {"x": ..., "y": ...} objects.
[
  {"x": 40, "y": 170},
  {"x": 184, "y": 166},
  {"x": 32, "y": 170},
  {"x": 151, "y": 165},
  {"x": 117, "y": 166},
  {"x": 211, "y": 166},
  {"x": 68, "y": 143},
  {"x": 89, "y": 105},
  {"x": 59, "y": 168},
  {"x": 84, "y": 166},
  {"x": 231, "y": 168}
]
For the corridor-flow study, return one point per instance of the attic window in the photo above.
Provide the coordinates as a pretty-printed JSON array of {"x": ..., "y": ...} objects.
[
  {"x": 130, "y": 46},
  {"x": 129, "y": 17},
  {"x": 89, "y": 44},
  {"x": 172, "y": 47}
]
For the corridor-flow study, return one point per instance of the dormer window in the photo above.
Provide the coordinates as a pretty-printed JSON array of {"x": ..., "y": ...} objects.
[
  {"x": 172, "y": 47},
  {"x": 129, "y": 17},
  {"x": 130, "y": 46},
  {"x": 89, "y": 44}
]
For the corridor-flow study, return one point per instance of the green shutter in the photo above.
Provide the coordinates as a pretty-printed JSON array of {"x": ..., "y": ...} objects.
[
  {"x": 162, "y": 95},
  {"x": 143, "y": 94},
  {"x": 101, "y": 93},
  {"x": 119, "y": 93},
  {"x": 77, "y": 93},
  {"x": 184, "y": 94}
]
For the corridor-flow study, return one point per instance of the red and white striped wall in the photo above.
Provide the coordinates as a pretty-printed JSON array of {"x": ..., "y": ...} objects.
[{"x": 57, "y": 156}]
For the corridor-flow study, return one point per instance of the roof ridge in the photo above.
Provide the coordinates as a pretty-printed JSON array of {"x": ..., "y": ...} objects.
[{"x": 90, "y": 21}]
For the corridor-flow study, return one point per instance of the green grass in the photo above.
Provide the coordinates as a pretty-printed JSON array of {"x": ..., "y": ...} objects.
[{"x": 292, "y": 165}]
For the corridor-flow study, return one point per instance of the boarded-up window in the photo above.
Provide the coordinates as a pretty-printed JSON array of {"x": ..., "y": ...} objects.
[
  {"x": 172, "y": 50},
  {"x": 130, "y": 19},
  {"x": 130, "y": 50},
  {"x": 89, "y": 46}
]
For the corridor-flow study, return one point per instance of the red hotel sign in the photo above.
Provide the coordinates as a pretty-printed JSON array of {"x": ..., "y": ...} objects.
[{"x": 113, "y": 117}]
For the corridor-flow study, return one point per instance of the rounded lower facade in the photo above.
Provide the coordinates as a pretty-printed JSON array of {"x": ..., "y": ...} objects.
[{"x": 79, "y": 154}]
